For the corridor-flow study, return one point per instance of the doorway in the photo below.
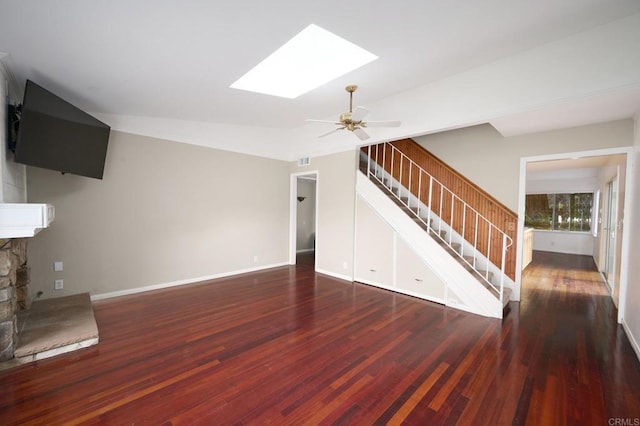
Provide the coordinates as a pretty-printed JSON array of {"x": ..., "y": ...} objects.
[
  {"x": 612, "y": 249},
  {"x": 303, "y": 218}
]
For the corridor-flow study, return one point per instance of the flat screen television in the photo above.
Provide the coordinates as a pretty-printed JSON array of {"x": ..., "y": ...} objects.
[{"x": 55, "y": 135}]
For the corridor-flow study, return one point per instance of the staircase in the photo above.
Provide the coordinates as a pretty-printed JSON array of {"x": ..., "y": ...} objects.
[{"x": 467, "y": 236}]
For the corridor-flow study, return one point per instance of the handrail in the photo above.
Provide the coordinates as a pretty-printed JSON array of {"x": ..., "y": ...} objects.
[
  {"x": 436, "y": 159},
  {"x": 445, "y": 194},
  {"x": 475, "y": 196}
]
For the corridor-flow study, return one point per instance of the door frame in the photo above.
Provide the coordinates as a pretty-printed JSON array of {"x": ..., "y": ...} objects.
[{"x": 293, "y": 209}]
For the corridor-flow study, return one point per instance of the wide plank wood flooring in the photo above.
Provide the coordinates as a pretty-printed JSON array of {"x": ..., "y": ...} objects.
[{"x": 288, "y": 346}]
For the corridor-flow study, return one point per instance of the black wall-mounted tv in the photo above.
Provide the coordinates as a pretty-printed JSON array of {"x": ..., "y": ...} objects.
[{"x": 53, "y": 134}]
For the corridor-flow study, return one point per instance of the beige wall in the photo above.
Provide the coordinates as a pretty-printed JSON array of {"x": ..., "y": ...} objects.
[
  {"x": 336, "y": 209},
  {"x": 469, "y": 151},
  {"x": 165, "y": 212},
  {"x": 493, "y": 161}
]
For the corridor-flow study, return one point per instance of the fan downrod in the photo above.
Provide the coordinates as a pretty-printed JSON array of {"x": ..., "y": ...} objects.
[{"x": 350, "y": 88}]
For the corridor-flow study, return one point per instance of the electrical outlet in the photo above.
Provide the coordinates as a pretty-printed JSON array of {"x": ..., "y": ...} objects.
[
  {"x": 255, "y": 259},
  {"x": 58, "y": 266},
  {"x": 58, "y": 284}
]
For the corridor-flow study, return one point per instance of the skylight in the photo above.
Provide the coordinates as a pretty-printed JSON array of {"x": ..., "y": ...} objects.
[{"x": 310, "y": 59}]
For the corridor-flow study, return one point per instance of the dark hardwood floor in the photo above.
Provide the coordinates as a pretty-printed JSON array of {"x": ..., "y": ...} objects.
[{"x": 288, "y": 346}]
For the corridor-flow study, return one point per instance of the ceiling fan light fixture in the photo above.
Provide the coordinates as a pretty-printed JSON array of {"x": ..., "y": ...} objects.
[
  {"x": 353, "y": 121},
  {"x": 310, "y": 59}
]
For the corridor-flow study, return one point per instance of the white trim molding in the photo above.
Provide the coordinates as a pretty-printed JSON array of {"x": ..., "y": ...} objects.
[{"x": 632, "y": 339}]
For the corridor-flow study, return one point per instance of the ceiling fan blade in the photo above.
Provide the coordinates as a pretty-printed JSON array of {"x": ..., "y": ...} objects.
[
  {"x": 328, "y": 133},
  {"x": 361, "y": 134},
  {"x": 336, "y": 123},
  {"x": 359, "y": 114},
  {"x": 382, "y": 123}
]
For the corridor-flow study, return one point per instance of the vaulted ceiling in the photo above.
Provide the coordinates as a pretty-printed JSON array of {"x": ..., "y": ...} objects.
[{"x": 164, "y": 67}]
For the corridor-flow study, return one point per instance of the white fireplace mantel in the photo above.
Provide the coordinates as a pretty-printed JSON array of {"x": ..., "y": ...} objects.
[{"x": 19, "y": 220}]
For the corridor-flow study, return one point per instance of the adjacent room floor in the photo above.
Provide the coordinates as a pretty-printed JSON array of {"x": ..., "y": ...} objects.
[{"x": 288, "y": 346}]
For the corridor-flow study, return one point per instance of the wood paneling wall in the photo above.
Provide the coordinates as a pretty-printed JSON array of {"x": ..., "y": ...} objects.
[{"x": 448, "y": 207}]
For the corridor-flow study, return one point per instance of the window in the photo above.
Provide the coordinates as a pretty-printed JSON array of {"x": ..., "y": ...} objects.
[{"x": 559, "y": 212}]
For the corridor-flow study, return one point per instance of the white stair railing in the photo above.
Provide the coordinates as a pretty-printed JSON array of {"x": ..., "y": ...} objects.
[{"x": 406, "y": 196}]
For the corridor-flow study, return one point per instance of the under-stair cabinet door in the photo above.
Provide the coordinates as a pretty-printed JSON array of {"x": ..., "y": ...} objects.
[
  {"x": 374, "y": 247},
  {"x": 414, "y": 277}
]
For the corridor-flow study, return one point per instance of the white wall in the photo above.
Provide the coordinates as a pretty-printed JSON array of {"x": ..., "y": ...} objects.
[
  {"x": 562, "y": 181},
  {"x": 13, "y": 175},
  {"x": 336, "y": 210},
  {"x": 563, "y": 242},
  {"x": 631, "y": 322},
  {"x": 165, "y": 213}
]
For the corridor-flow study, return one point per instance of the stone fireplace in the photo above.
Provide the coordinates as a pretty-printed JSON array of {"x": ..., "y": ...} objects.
[{"x": 14, "y": 280}]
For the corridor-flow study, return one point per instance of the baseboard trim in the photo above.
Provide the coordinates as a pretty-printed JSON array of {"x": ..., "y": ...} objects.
[
  {"x": 183, "y": 282},
  {"x": 334, "y": 275},
  {"x": 401, "y": 291},
  {"x": 632, "y": 340}
]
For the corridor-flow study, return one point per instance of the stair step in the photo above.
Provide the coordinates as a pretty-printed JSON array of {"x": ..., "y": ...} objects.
[
  {"x": 405, "y": 199},
  {"x": 442, "y": 233},
  {"x": 422, "y": 214},
  {"x": 485, "y": 274},
  {"x": 422, "y": 220},
  {"x": 419, "y": 220},
  {"x": 454, "y": 248}
]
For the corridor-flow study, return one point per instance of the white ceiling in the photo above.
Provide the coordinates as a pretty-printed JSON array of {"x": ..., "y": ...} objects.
[
  {"x": 175, "y": 60},
  {"x": 583, "y": 163}
]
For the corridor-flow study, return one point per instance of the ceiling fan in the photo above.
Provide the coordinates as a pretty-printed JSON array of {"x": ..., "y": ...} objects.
[{"x": 353, "y": 120}]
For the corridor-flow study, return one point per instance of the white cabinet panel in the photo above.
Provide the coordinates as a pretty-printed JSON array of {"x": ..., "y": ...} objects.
[
  {"x": 374, "y": 247},
  {"x": 413, "y": 276}
]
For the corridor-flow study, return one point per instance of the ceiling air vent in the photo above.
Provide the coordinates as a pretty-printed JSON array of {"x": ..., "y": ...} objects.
[{"x": 304, "y": 161}]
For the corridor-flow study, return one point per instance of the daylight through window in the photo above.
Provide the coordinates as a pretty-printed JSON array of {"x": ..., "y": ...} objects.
[{"x": 559, "y": 212}]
